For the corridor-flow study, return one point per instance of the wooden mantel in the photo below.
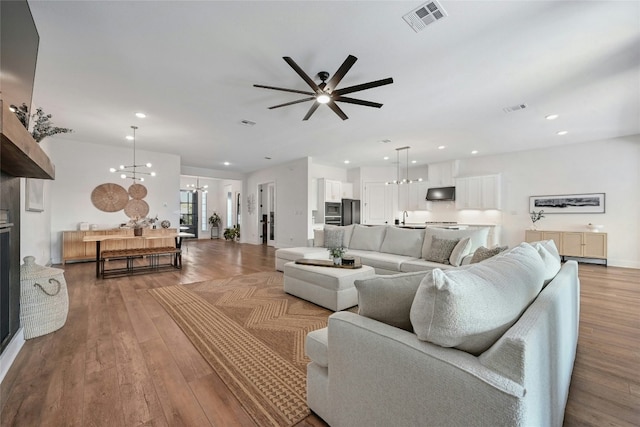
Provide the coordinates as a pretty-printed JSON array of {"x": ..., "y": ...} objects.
[{"x": 20, "y": 154}]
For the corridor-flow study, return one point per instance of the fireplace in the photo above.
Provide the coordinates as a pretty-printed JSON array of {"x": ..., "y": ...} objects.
[{"x": 5, "y": 274}]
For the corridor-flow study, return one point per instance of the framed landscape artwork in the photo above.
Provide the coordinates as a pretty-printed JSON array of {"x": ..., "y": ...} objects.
[
  {"x": 34, "y": 195},
  {"x": 568, "y": 203}
]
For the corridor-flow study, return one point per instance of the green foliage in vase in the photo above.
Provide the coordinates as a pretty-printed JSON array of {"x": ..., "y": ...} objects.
[{"x": 42, "y": 127}]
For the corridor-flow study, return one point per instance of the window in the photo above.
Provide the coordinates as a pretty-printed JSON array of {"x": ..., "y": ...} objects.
[{"x": 203, "y": 216}]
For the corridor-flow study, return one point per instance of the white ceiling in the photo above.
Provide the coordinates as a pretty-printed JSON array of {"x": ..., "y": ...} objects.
[{"x": 190, "y": 65}]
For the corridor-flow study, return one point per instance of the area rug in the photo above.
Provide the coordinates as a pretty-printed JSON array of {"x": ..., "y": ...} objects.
[{"x": 252, "y": 333}]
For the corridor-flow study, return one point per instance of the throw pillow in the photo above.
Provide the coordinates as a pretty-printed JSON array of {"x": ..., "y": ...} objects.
[
  {"x": 441, "y": 250},
  {"x": 470, "y": 307},
  {"x": 479, "y": 237},
  {"x": 318, "y": 238},
  {"x": 549, "y": 253},
  {"x": 333, "y": 238},
  {"x": 388, "y": 299},
  {"x": 483, "y": 253},
  {"x": 461, "y": 250},
  {"x": 348, "y": 230}
]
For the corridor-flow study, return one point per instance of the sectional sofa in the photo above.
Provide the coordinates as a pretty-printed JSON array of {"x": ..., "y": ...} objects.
[
  {"x": 486, "y": 344},
  {"x": 389, "y": 249}
]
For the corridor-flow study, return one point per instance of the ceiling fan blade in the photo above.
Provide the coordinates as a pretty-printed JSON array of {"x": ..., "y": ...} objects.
[
  {"x": 363, "y": 86},
  {"x": 338, "y": 75},
  {"x": 358, "y": 102},
  {"x": 293, "y": 102},
  {"x": 302, "y": 74},
  {"x": 312, "y": 110},
  {"x": 337, "y": 110},
  {"x": 285, "y": 90}
]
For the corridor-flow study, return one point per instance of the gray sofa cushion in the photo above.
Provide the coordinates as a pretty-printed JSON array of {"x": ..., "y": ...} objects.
[
  {"x": 367, "y": 238},
  {"x": 401, "y": 241},
  {"x": 478, "y": 237},
  {"x": 470, "y": 307},
  {"x": 388, "y": 299}
]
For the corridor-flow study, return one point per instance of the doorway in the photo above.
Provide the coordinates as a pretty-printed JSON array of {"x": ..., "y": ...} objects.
[
  {"x": 267, "y": 205},
  {"x": 189, "y": 212}
]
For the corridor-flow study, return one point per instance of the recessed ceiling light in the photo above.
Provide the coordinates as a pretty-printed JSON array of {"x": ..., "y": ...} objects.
[
  {"x": 385, "y": 158},
  {"x": 474, "y": 152},
  {"x": 385, "y": 141},
  {"x": 414, "y": 161},
  {"x": 346, "y": 162},
  {"x": 141, "y": 115},
  {"x": 267, "y": 158},
  {"x": 247, "y": 122},
  {"x": 562, "y": 132},
  {"x": 441, "y": 147},
  {"x": 226, "y": 163},
  {"x": 129, "y": 138},
  {"x": 551, "y": 117}
]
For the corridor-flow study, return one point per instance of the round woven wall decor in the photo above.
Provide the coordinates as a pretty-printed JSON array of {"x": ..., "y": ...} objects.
[
  {"x": 136, "y": 208},
  {"x": 137, "y": 191},
  {"x": 109, "y": 197}
]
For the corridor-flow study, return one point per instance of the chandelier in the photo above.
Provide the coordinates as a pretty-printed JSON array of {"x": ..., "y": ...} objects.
[
  {"x": 399, "y": 180},
  {"x": 196, "y": 187},
  {"x": 132, "y": 171}
]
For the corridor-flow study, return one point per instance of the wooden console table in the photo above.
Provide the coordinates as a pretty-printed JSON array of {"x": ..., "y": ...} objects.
[
  {"x": 579, "y": 244},
  {"x": 74, "y": 248}
]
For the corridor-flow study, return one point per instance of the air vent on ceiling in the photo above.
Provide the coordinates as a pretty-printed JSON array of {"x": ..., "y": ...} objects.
[
  {"x": 247, "y": 122},
  {"x": 424, "y": 15},
  {"x": 514, "y": 108}
]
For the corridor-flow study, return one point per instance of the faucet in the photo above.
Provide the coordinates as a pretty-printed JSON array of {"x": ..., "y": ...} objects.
[{"x": 404, "y": 215}]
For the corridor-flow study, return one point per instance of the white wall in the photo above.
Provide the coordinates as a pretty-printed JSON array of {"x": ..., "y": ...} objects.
[
  {"x": 81, "y": 167},
  {"x": 292, "y": 217},
  {"x": 35, "y": 227}
]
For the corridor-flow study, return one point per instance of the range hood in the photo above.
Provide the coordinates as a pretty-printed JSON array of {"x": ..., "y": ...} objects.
[{"x": 441, "y": 194}]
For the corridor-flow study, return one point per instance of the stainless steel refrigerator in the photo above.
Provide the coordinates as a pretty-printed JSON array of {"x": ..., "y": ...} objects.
[{"x": 350, "y": 211}]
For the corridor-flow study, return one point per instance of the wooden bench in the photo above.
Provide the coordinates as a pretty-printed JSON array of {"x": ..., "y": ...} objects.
[{"x": 152, "y": 255}]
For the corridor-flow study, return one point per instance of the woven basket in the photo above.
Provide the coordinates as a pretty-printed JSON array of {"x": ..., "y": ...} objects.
[{"x": 44, "y": 302}]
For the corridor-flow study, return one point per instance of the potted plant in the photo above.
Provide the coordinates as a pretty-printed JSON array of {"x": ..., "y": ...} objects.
[
  {"x": 336, "y": 254},
  {"x": 214, "y": 222},
  {"x": 232, "y": 233}
]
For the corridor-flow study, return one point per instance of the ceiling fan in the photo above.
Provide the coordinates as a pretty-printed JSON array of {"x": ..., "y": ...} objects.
[{"x": 326, "y": 92}]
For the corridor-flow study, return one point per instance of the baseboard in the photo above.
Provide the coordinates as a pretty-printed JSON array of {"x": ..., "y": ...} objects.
[{"x": 10, "y": 353}]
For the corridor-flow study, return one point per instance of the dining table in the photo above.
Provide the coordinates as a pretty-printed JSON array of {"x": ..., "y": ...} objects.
[{"x": 101, "y": 238}]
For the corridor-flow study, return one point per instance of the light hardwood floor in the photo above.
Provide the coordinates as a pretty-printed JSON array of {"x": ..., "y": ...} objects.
[{"x": 121, "y": 361}]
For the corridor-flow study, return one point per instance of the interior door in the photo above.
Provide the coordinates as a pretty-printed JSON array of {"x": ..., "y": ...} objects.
[
  {"x": 271, "y": 214},
  {"x": 189, "y": 212},
  {"x": 378, "y": 203}
]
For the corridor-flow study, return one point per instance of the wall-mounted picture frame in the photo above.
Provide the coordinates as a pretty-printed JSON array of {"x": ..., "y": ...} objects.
[
  {"x": 34, "y": 195},
  {"x": 591, "y": 203}
]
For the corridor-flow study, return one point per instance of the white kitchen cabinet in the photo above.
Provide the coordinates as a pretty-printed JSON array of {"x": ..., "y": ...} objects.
[
  {"x": 412, "y": 197},
  {"x": 442, "y": 174},
  {"x": 478, "y": 192},
  {"x": 330, "y": 191}
]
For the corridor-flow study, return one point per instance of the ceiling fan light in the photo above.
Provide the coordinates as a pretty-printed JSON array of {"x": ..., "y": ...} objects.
[{"x": 323, "y": 98}]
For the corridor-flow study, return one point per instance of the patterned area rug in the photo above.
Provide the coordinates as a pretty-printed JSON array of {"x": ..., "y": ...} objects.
[{"x": 252, "y": 333}]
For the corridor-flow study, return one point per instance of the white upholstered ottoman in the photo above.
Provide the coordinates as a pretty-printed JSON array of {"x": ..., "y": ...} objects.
[{"x": 329, "y": 287}]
